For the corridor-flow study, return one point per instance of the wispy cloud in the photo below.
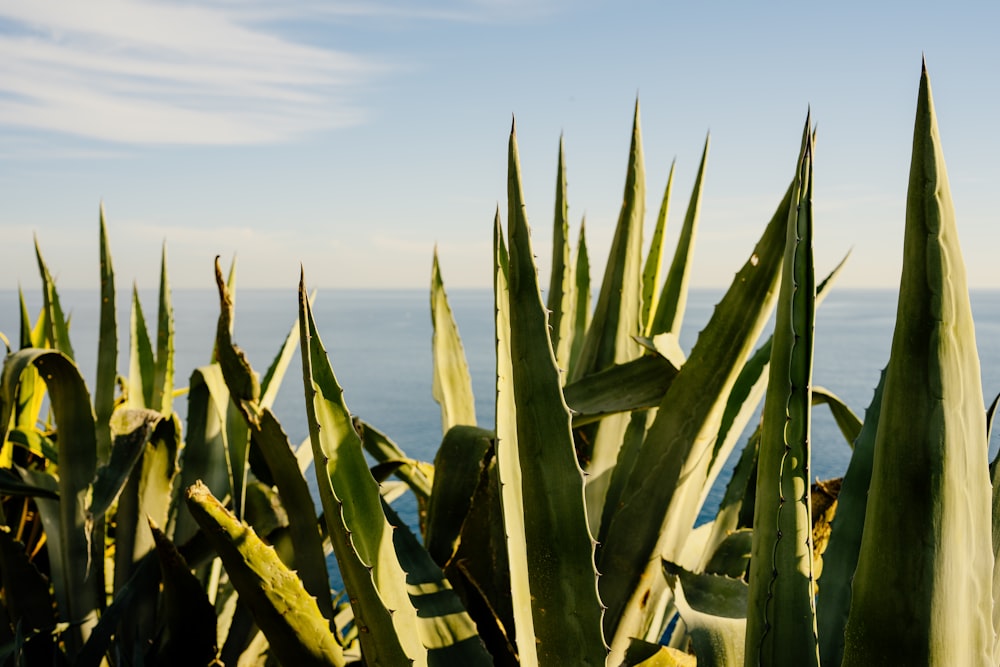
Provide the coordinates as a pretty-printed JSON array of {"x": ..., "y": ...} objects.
[
  {"x": 199, "y": 71},
  {"x": 159, "y": 72},
  {"x": 463, "y": 11}
]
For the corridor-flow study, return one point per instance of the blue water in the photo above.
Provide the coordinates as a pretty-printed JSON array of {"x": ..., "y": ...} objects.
[{"x": 379, "y": 344}]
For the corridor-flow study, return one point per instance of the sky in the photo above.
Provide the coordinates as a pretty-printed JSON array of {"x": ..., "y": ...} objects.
[{"x": 350, "y": 138}]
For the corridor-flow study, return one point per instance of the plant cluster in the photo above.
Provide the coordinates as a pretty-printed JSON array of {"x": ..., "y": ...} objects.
[{"x": 563, "y": 534}]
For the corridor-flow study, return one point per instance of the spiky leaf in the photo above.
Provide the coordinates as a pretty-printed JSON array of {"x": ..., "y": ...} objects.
[{"x": 930, "y": 452}]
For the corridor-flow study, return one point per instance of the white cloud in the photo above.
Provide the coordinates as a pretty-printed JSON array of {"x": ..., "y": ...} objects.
[
  {"x": 159, "y": 72},
  {"x": 465, "y": 11},
  {"x": 198, "y": 72}
]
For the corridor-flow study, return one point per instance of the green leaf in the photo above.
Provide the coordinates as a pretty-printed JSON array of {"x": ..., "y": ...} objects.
[
  {"x": 560, "y": 294},
  {"x": 287, "y": 614},
  {"x": 244, "y": 392},
  {"x": 713, "y": 609},
  {"x": 444, "y": 626},
  {"x": 81, "y": 558},
  {"x": 616, "y": 316},
  {"x": 731, "y": 557},
  {"x": 56, "y": 327},
  {"x": 747, "y": 393},
  {"x": 359, "y": 531},
  {"x": 847, "y": 421},
  {"x": 303, "y": 526},
  {"x": 147, "y": 495},
  {"x": 132, "y": 430},
  {"x": 676, "y": 450},
  {"x": 273, "y": 443},
  {"x": 26, "y": 337},
  {"x": 841, "y": 556},
  {"x": 205, "y": 449},
  {"x": 107, "y": 350},
  {"x": 244, "y": 388},
  {"x": 27, "y": 600},
  {"x": 611, "y": 336},
  {"x": 646, "y": 654},
  {"x": 781, "y": 616},
  {"x": 458, "y": 468},
  {"x": 49, "y": 509},
  {"x": 142, "y": 363},
  {"x": 930, "y": 452},
  {"x": 163, "y": 374},
  {"x": 418, "y": 475},
  {"x": 633, "y": 385},
  {"x": 452, "y": 387},
  {"x": 736, "y": 508},
  {"x": 654, "y": 259},
  {"x": 509, "y": 459},
  {"x": 189, "y": 634},
  {"x": 580, "y": 308},
  {"x": 559, "y": 545},
  {"x": 673, "y": 300},
  {"x": 12, "y": 485}
]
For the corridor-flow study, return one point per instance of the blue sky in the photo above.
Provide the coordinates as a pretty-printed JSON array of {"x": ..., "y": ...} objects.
[{"x": 351, "y": 137}]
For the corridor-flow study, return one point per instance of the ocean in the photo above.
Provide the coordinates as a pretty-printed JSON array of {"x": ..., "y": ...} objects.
[{"x": 379, "y": 342}]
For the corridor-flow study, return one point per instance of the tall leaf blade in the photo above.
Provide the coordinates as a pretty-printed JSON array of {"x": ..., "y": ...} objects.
[
  {"x": 559, "y": 543},
  {"x": 142, "y": 362},
  {"x": 654, "y": 259},
  {"x": 163, "y": 373},
  {"x": 930, "y": 452},
  {"x": 781, "y": 615},
  {"x": 673, "y": 300},
  {"x": 509, "y": 459},
  {"x": 107, "y": 350},
  {"x": 616, "y": 315},
  {"x": 580, "y": 305},
  {"x": 56, "y": 328},
  {"x": 452, "y": 387},
  {"x": 359, "y": 531},
  {"x": 560, "y": 295}
]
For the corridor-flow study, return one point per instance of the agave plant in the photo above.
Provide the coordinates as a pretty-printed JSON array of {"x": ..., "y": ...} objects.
[{"x": 562, "y": 534}]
